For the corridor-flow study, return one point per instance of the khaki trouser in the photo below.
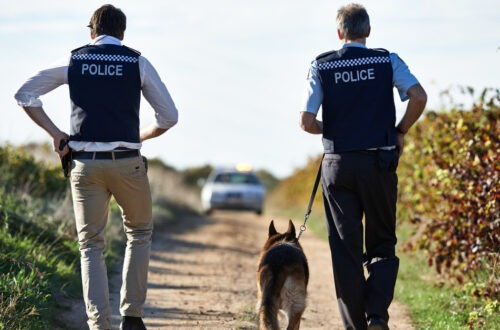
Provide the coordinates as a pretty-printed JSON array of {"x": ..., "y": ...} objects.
[{"x": 93, "y": 182}]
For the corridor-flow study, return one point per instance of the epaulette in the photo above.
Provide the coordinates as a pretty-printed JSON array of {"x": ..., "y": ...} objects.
[
  {"x": 382, "y": 50},
  {"x": 135, "y": 51},
  {"x": 77, "y": 49},
  {"x": 325, "y": 54}
]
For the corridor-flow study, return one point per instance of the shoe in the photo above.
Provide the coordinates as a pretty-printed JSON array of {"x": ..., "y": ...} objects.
[
  {"x": 132, "y": 323},
  {"x": 377, "y": 323}
]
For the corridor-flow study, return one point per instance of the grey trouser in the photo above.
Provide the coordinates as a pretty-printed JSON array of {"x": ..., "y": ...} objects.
[
  {"x": 357, "y": 184},
  {"x": 93, "y": 182}
]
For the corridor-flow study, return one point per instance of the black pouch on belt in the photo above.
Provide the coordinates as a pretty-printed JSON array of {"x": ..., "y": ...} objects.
[
  {"x": 66, "y": 159},
  {"x": 387, "y": 160}
]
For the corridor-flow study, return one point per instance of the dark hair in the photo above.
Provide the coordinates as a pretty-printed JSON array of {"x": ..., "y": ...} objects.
[
  {"x": 353, "y": 21},
  {"x": 108, "y": 20}
]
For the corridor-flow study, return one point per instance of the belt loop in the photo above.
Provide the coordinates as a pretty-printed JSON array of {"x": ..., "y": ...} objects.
[
  {"x": 93, "y": 155},
  {"x": 113, "y": 155}
]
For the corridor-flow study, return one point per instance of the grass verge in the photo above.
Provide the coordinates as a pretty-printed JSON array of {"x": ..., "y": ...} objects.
[
  {"x": 435, "y": 302},
  {"x": 34, "y": 263}
]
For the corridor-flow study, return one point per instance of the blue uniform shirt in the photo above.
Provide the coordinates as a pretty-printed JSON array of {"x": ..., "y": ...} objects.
[{"x": 403, "y": 79}]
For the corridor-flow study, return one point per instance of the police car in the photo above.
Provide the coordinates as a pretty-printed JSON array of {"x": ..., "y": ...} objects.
[{"x": 233, "y": 189}]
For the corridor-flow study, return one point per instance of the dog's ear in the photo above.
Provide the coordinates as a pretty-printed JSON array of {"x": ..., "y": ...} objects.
[
  {"x": 272, "y": 230},
  {"x": 291, "y": 229}
]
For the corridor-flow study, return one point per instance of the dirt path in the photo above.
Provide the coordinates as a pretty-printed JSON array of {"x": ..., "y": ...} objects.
[{"x": 202, "y": 276}]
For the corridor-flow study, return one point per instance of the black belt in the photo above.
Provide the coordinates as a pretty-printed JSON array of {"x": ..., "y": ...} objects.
[{"x": 104, "y": 154}]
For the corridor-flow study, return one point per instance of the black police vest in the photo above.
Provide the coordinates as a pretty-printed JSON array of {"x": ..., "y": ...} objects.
[
  {"x": 358, "y": 102},
  {"x": 105, "y": 91}
]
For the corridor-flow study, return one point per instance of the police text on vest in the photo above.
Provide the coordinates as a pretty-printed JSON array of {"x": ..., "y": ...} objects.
[
  {"x": 354, "y": 76},
  {"x": 102, "y": 69}
]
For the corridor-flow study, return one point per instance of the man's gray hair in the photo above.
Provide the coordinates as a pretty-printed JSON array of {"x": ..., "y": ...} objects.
[{"x": 353, "y": 21}]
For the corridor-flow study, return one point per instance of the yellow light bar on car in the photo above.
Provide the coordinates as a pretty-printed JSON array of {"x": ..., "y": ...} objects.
[{"x": 244, "y": 167}]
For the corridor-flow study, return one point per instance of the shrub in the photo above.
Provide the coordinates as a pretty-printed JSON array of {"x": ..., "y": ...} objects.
[
  {"x": 295, "y": 191},
  {"x": 449, "y": 186},
  {"x": 20, "y": 173}
]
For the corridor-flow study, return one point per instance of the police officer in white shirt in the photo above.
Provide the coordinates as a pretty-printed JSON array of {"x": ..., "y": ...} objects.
[
  {"x": 105, "y": 81},
  {"x": 362, "y": 144}
]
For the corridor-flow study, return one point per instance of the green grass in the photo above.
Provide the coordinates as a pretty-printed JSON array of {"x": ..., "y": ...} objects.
[
  {"x": 434, "y": 301},
  {"x": 435, "y": 304},
  {"x": 39, "y": 259},
  {"x": 432, "y": 305},
  {"x": 32, "y": 268}
]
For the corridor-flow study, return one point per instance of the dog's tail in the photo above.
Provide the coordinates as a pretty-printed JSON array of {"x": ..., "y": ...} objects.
[{"x": 270, "y": 301}]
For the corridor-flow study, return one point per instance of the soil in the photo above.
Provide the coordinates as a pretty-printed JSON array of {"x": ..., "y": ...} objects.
[{"x": 202, "y": 276}]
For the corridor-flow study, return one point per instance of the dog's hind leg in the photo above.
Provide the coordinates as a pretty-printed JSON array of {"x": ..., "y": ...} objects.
[
  {"x": 294, "y": 313},
  {"x": 294, "y": 320},
  {"x": 294, "y": 301}
]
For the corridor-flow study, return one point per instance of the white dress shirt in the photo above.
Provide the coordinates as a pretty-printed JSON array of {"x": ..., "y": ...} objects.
[{"x": 153, "y": 90}]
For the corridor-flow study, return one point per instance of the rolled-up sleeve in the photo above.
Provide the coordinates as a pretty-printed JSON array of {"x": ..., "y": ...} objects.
[
  {"x": 41, "y": 83},
  {"x": 157, "y": 95},
  {"x": 403, "y": 79}
]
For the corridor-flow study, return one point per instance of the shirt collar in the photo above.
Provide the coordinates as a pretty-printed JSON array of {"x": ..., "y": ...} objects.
[
  {"x": 354, "y": 44},
  {"x": 105, "y": 39}
]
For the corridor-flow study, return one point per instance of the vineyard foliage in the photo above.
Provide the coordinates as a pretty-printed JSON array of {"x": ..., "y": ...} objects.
[{"x": 449, "y": 188}]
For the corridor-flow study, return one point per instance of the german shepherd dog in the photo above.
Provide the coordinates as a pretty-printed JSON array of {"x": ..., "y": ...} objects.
[{"x": 282, "y": 278}]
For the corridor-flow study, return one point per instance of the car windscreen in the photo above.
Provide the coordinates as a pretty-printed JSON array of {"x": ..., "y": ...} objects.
[{"x": 236, "y": 178}]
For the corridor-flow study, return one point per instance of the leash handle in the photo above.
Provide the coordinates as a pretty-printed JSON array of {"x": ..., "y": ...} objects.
[{"x": 311, "y": 200}]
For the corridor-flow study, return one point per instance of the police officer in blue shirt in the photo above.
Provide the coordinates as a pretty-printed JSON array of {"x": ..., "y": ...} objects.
[{"x": 362, "y": 145}]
